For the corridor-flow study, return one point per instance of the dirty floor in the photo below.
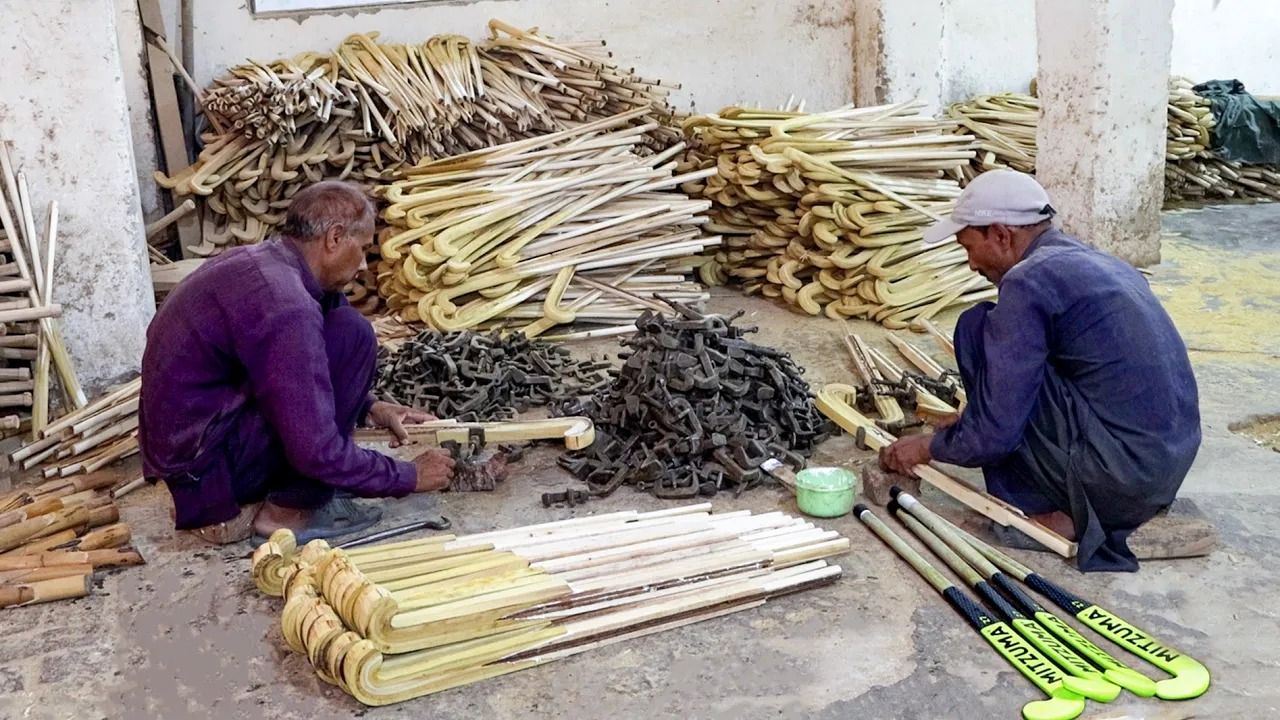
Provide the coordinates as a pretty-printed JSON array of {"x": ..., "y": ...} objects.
[{"x": 189, "y": 636}]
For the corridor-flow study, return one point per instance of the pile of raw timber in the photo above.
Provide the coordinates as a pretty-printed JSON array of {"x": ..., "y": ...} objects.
[
  {"x": 1005, "y": 126},
  {"x": 475, "y": 377},
  {"x": 370, "y": 108},
  {"x": 577, "y": 225},
  {"x": 391, "y": 622},
  {"x": 55, "y": 535},
  {"x": 695, "y": 408},
  {"x": 828, "y": 210}
]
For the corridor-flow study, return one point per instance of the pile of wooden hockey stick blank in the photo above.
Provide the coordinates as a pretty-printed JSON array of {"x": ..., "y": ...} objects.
[
  {"x": 576, "y": 225},
  {"x": 369, "y": 108},
  {"x": 828, "y": 210},
  {"x": 395, "y": 621}
]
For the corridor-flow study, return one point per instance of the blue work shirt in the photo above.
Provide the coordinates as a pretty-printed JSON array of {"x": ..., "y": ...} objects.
[{"x": 1093, "y": 320}]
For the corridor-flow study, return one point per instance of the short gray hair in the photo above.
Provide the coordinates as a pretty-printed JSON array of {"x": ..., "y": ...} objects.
[{"x": 316, "y": 209}]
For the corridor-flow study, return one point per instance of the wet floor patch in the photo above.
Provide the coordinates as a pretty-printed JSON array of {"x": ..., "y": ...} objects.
[{"x": 1262, "y": 429}]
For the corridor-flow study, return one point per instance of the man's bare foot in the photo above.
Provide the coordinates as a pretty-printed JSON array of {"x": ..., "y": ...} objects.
[
  {"x": 272, "y": 517},
  {"x": 1058, "y": 522}
]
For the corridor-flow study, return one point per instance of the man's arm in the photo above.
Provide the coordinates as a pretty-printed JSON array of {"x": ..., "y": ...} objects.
[
  {"x": 1015, "y": 353},
  {"x": 284, "y": 355}
]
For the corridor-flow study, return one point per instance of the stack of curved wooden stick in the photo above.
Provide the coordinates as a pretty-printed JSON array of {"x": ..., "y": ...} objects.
[
  {"x": 370, "y": 108},
  {"x": 390, "y": 622},
  {"x": 576, "y": 225},
  {"x": 1005, "y": 126},
  {"x": 828, "y": 210}
]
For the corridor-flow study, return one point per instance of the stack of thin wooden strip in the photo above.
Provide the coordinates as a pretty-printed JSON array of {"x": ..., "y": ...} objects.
[
  {"x": 88, "y": 439},
  {"x": 1005, "y": 125},
  {"x": 828, "y": 210},
  {"x": 570, "y": 226},
  {"x": 53, "y": 536},
  {"x": 395, "y": 621},
  {"x": 30, "y": 336},
  {"x": 370, "y": 108}
]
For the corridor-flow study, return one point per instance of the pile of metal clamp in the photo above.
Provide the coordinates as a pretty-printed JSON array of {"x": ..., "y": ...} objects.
[
  {"x": 481, "y": 377},
  {"x": 694, "y": 409}
]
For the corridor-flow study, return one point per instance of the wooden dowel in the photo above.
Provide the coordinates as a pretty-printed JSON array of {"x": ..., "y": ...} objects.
[
  {"x": 111, "y": 557},
  {"x": 44, "y": 544},
  {"x": 15, "y": 373},
  {"x": 22, "y": 400},
  {"x": 106, "y": 537},
  {"x": 42, "y": 591},
  {"x": 35, "y": 313},
  {"x": 18, "y": 304},
  {"x": 16, "y": 386},
  {"x": 17, "y": 354},
  {"x": 12, "y": 577},
  {"x": 128, "y": 487},
  {"x": 171, "y": 217}
]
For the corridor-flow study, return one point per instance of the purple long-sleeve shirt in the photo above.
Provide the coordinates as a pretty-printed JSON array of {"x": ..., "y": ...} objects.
[
  {"x": 1094, "y": 320},
  {"x": 247, "y": 328}
]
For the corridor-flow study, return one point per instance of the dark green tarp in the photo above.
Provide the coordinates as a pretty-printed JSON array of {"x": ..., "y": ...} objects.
[{"x": 1248, "y": 129}]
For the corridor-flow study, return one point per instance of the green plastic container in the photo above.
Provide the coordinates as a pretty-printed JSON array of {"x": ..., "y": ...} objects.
[{"x": 826, "y": 491}]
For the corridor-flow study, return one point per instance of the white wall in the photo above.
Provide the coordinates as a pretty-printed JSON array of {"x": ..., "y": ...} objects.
[
  {"x": 944, "y": 51},
  {"x": 1224, "y": 39},
  {"x": 138, "y": 96},
  {"x": 62, "y": 104},
  {"x": 721, "y": 51}
]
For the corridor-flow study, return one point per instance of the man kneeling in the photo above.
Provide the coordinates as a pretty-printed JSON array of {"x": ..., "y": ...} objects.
[
  {"x": 1083, "y": 409},
  {"x": 255, "y": 375}
]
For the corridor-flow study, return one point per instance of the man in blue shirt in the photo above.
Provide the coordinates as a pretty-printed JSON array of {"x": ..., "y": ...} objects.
[{"x": 1083, "y": 409}]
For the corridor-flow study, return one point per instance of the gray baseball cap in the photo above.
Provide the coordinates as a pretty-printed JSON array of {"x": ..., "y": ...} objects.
[{"x": 1002, "y": 197}]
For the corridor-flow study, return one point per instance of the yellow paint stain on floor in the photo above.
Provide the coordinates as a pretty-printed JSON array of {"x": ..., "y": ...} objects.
[{"x": 1221, "y": 300}]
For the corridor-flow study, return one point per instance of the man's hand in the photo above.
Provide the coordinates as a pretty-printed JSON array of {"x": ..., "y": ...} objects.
[
  {"x": 435, "y": 470},
  {"x": 388, "y": 415},
  {"x": 906, "y": 453}
]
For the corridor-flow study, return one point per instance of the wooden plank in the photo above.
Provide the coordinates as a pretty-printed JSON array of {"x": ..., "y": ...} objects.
[{"x": 164, "y": 98}]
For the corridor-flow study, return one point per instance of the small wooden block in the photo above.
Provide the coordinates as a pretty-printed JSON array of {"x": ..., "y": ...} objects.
[{"x": 1179, "y": 531}]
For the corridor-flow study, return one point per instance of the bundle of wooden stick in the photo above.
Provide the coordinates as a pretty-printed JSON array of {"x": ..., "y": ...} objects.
[
  {"x": 370, "y": 108},
  {"x": 391, "y": 622},
  {"x": 1005, "y": 125},
  {"x": 29, "y": 331},
  {"x": 88, "y": 439},
  {"x": 1190, "y": 122},
  {"x": 828, "y": 210},
  {"x": 575, "y": 225},
  {"x": 55, "y": 535}
]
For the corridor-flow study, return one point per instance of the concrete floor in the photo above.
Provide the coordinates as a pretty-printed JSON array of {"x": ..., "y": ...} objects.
[{"x": 189, "y": 636}]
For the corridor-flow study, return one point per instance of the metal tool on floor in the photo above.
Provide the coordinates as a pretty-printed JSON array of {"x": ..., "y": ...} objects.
[
  {"x": 442, "y": 524},
  {"x": 1062, "y": 704}
]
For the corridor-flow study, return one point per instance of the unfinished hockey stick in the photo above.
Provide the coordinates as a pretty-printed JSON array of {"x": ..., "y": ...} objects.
[{"x": 1062, "y": 704}]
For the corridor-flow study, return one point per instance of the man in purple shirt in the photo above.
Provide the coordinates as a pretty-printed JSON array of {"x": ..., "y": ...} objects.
[
  {"x": 1083, "y": 409},
  {"x": 255, "y": 375}
]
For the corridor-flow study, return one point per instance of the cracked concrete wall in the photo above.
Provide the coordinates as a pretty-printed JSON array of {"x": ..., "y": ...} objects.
[{"x": 62, "y": 104}]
